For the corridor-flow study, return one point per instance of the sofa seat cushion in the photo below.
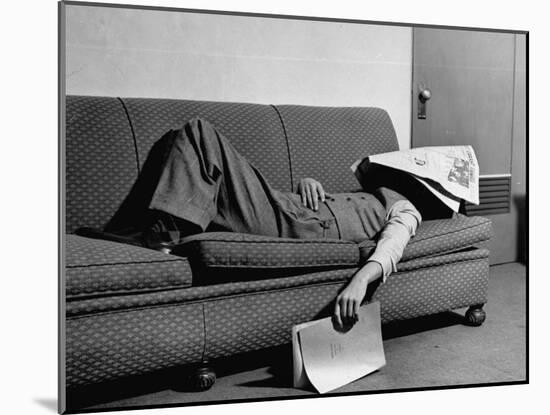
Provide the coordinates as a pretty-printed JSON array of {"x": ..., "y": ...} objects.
[
  {"x": 95, "y": 267},
  {"x": 436, "y": 237},
  {"x": 239, "y": 256},
  {"x": 221, "y": 257}
]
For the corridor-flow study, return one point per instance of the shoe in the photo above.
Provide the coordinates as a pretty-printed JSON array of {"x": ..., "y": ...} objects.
[
  {"x": 166, "y": 232},
  {"x": 159, "y": 241}
]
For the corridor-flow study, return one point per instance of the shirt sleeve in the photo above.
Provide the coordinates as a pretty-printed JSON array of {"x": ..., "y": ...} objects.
[{"x": 400, "y": 226}]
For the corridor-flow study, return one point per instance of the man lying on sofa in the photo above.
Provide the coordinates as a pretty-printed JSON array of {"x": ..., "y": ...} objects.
[{"x": 205, "y": 183}]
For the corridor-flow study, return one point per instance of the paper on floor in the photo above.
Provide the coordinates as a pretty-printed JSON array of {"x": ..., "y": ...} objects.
[{"x": 328, "y": 358}]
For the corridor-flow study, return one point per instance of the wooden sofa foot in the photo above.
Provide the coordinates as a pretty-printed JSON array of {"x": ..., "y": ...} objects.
[
  {"x": 475, "y": 316},
  {"x": 204, "y": 376}
]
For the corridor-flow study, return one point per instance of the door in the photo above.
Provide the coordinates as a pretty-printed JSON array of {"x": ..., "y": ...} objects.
[{"x": 464, "y": 92}]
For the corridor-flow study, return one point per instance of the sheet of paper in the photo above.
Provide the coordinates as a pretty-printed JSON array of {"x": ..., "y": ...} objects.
[
  {"x": 333, "y": 358},
  {"x": 300, "y": 379}
]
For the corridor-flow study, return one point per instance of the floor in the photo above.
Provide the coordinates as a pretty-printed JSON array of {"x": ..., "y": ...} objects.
[{"x": 427, "y": 352}]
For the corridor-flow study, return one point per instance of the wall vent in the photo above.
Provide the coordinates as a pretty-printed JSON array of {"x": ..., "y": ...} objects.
[{"x": 494, "y": 195}]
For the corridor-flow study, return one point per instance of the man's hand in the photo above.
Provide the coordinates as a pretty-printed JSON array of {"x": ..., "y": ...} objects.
[
  {"x": 349, "y": 300},
  {"x": 311, "y": 191}
]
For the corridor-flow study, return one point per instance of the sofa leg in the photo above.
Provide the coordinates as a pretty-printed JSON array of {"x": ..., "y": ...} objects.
[
  {"x": 204, "y": 376},
  {"x": 475, "y": 316}
]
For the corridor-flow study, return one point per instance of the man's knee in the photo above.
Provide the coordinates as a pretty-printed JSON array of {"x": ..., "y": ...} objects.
[
  {"x": 200, "y": 124},
  {"x": 198, "y": 129}
]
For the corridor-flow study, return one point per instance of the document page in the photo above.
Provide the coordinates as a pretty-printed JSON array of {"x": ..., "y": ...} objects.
[{"x": 332, "y": 358}]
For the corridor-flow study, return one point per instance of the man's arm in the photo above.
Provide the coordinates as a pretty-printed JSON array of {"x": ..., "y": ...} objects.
[
  {"x": 349, "y": 300},
  {"x": 402, "y": 221}
]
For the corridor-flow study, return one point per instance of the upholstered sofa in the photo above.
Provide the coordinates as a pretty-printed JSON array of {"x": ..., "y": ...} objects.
[{"x": 131, "y": 311}]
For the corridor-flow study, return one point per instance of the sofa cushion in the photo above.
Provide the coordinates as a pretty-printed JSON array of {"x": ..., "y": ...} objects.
[
  {"x": 243, "y": 256},
  {"x": 436, "y": 237},
  {"x": 323, "y": 142},
  {"x": 95, "y": 267},
  {"x": 254, "y": 129},
  {"x": 100, "y": 160},
  {"x": 246, "y": 253}
]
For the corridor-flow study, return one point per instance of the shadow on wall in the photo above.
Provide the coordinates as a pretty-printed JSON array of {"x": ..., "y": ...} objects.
[{"x": 521, "y": 206}]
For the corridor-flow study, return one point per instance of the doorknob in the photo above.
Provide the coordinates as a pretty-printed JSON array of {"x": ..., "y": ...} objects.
[{"x": 423, "y": 96}]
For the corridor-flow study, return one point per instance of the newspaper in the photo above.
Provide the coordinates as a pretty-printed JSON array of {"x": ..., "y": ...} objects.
[
  {"x": 450, "y": 172},
  {"x": 326, "y": 358}
]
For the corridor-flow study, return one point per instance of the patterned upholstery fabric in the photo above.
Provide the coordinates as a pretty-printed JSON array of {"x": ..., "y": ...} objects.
[
  {"x": 97, "y": 267},
  {"x": 245, "y": 323},
  {"x": 202, "y": 293},
  {"x": 441, "y": 236},
  {"x": 100, "y": 160},
  {"x": 210, "y": 292},
  {"x": 437, "y": 260},
  {"x": 432, "y": 290},
  {"x": 110, "y": 345},
  {"x": 242, "y": 317},
  {"x": 255, "y": 130},
  {"x": 324, "y": 142},
  {"x": 226, "y": 251},
  {"x": 225, "y": 256}
]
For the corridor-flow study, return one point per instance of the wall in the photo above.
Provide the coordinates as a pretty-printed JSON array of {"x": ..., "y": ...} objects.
[
  {"x": 519, "y": 150},
  {"x": 145, "y": 53}
]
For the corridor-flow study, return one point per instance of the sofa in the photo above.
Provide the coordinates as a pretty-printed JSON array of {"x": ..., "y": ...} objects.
[{"x": 132, "y": 311}]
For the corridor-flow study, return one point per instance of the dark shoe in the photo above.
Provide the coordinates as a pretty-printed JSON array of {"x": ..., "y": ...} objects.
[
  {"x": 162, "y": 241},
  {"x": 167, "y": 232}
]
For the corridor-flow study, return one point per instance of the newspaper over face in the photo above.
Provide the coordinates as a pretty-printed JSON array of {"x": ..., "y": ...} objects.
[{"x": 450, "y": 172}]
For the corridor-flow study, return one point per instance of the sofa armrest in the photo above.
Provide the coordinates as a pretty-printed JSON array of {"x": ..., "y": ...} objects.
[
  {"x": 94, "y": 267},
  {"x": 435, "y": 237}
]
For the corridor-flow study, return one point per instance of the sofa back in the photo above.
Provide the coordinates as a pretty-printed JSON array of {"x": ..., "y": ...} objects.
[{"x": 108, "y": 140}]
